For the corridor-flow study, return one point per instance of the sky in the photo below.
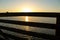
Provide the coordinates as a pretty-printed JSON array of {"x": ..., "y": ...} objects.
[{"x": 30, "y": 5}]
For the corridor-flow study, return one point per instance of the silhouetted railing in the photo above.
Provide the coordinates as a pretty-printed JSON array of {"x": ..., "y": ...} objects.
[
  {"x": 47, "y": 14},
  {"x": 33, "y": 24}
]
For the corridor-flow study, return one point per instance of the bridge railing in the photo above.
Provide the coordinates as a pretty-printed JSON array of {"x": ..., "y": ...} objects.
[{"x": 33, "y": 24}]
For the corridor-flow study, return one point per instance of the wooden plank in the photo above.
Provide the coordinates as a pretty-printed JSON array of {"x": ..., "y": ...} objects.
[
  {"x": 39, "y": 14},
  {"x": 33, "y": 24}
]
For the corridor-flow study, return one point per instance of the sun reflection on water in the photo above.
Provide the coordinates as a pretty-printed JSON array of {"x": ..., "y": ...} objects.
[
  {"x": 26, "y": 19},
  {"x": 27, "y": 27}
]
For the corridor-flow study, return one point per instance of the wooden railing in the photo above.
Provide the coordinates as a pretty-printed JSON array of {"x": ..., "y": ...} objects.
[{"x": 32, "y": 24}]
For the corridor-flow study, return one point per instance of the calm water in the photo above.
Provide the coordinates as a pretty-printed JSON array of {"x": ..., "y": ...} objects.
[{"x": 29, "y": 28}]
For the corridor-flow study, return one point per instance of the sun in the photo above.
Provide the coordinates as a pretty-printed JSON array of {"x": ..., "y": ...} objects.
[{"x": 26, "y": 10}]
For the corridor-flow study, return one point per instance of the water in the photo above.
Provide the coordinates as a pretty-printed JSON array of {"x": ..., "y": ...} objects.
[{"x": 29, "y": 28}]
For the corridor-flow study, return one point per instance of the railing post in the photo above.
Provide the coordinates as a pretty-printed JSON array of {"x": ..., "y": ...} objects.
[{"x": 58, "y": 28}]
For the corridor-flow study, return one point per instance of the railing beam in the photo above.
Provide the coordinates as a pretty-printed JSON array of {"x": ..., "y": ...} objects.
[
  {"x": 47, "y": 14},
  {"x": 33, "y": 24}
]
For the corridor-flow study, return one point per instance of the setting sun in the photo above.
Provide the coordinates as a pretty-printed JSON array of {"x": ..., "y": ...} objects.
[{"x": 26, "y": 10}]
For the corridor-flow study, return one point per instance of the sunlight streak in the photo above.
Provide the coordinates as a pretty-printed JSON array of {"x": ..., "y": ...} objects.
[
  {"x": 26, "y": 19},
  {"x": 27, "y": 27}
]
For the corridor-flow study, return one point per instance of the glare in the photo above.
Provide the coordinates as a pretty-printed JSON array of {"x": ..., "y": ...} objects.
[
  {"x": 26, "y": 19},
  {"x": 26, "y": 10},
  {"x": 27, "y": 27}
]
